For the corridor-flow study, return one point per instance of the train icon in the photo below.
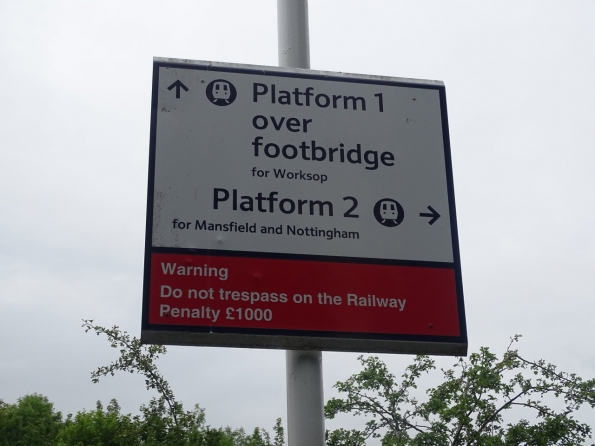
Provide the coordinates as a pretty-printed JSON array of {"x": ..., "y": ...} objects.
[
  {"x": 389, "y": 212},
  {"x": 221, "y": 92}
]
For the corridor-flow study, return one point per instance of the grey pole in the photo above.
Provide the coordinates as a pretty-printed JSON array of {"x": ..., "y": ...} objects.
[
  {"x": 305, "y": 401},
  {"x": 294, "y": 36}
]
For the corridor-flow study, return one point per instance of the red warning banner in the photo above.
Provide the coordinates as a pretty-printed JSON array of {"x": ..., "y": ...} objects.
[{"x": 261, "y": 294}]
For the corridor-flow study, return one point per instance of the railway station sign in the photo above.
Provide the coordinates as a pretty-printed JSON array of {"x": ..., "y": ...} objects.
[{"x": 300, "y": 209}]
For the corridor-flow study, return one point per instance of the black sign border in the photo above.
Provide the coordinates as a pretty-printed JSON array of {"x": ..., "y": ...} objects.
[{"x": 301, "y": 339}]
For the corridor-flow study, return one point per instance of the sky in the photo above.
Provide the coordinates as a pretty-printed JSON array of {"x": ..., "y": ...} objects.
[{"x": 74, "y": 140}]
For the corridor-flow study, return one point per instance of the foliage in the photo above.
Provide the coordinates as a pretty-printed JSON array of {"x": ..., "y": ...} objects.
[
  {"x": 138, "y": 358},
  {"x": 164, "y": 420},
  {"x": 279, "y": 433},
  {"x": 32, "y": 421},
  {"x": 99, "y": 427},
  {"x": 469, "y": 407},
  {"x": 22, "y": 424}
]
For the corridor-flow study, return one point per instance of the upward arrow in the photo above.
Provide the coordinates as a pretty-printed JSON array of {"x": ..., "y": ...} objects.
[{"x": 177, "y": 85}]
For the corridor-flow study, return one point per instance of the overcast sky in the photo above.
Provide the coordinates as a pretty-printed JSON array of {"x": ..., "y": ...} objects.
[{"x": 75, "y": 91}]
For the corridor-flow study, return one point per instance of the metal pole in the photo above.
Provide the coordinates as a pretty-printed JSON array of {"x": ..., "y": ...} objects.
[
  {"x": 294, "y": 36},
  {"x": 305, "y": 401}
]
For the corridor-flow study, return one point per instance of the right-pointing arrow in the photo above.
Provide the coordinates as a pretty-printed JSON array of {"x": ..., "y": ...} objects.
[{"x": 435, "y": 215}]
